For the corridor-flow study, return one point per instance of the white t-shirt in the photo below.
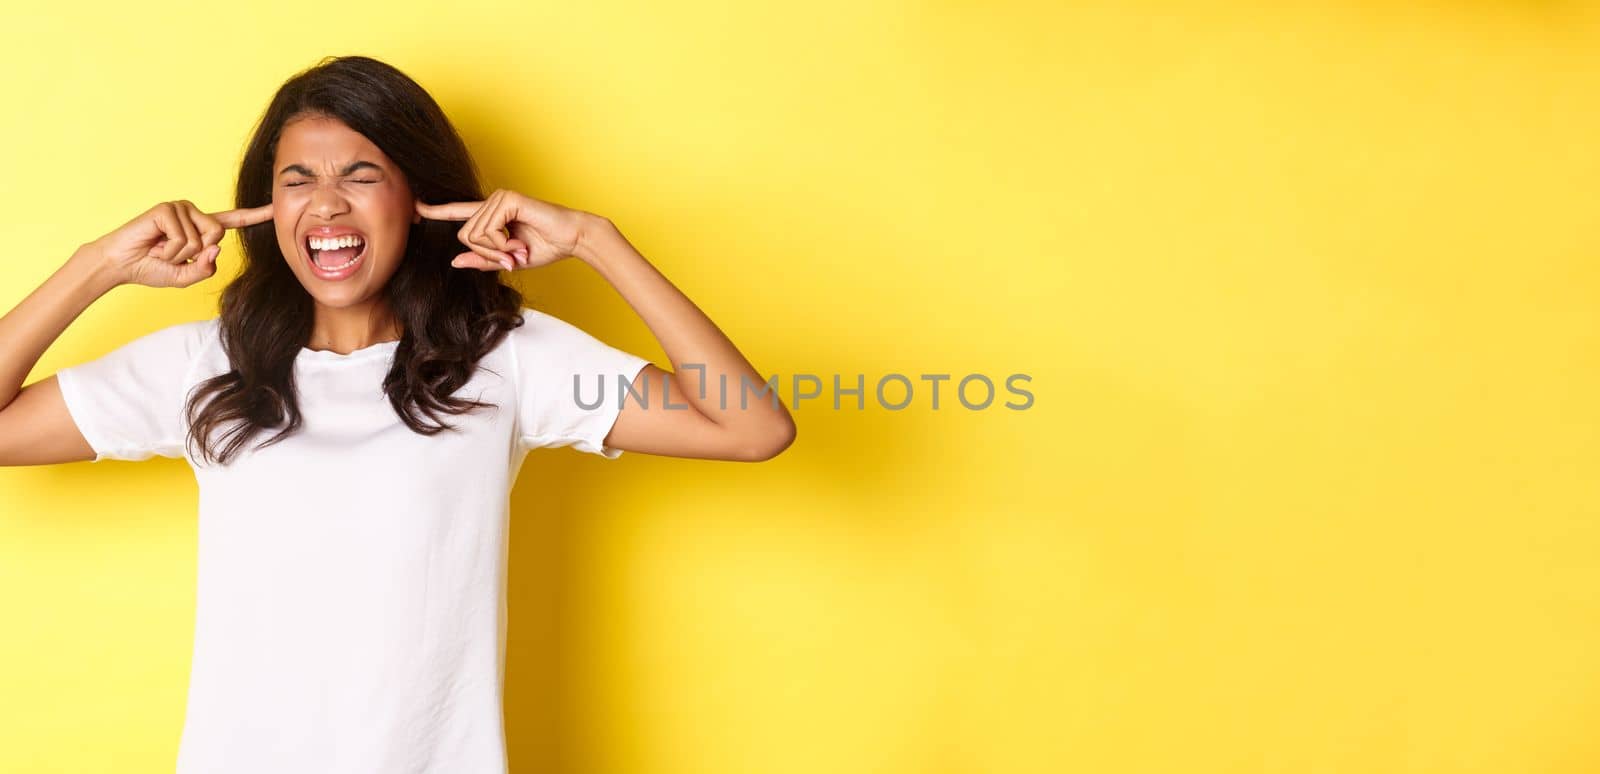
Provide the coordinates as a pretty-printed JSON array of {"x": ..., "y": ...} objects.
[{"x": 350, "y": 605}]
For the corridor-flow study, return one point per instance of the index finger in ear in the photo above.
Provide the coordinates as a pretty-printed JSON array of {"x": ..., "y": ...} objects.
[
  {"x": 244, "y": 217},
  {"x": 451, "y": 211}
]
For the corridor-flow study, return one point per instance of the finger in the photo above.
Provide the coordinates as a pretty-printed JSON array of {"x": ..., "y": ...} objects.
[
  {"x": 203, "y": 266},
  {"x": 467, "y": 232},
  {"x": 248, "y": 216},
  {"x": 475, "y": 225},
  {"x": 166, "y": 218},
  {"x": 468, "y": 235},
  {"x": 146, "y": 228},
  {"x": 475, "y": 261},
  {"x": 486, "y": 227},
  {"x": 518, "y": 250},
  {"x": 503, "y": 259},
  {"x": 191, "y": 232},
  {"x": 499, "y": 259},
  {"x": 491, "y": 230},
  {"x": 450, "y": 211},
  {"x": 211, "y": 231}
]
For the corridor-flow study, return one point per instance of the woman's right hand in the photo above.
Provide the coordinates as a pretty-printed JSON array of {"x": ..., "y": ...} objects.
[{"x": 170, "y": 245}]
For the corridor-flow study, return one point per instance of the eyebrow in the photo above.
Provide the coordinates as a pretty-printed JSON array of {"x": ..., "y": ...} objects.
[{"x": 354, "y": 165}]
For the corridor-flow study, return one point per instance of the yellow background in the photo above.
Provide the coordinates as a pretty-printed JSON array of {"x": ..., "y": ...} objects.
[{"x": 1307, "y": 291}]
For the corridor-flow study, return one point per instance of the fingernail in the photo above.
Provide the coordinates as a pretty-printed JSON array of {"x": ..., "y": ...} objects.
[{"x": 508, "y": 266}]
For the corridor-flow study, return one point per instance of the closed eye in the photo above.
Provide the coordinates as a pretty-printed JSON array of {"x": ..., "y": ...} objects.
[{"x": 302, "y": 182}]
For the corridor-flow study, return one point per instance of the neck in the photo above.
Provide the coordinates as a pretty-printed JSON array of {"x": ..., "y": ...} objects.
[{"x": 346, "y": 329}]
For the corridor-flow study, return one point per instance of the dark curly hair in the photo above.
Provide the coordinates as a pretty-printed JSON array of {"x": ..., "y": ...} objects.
[{"x": 450, "y": 318}]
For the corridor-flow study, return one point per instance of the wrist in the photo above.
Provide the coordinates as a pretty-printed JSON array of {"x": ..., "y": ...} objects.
[
  {"x": 593, "y": 232},
  {"x": 89, "y": 266}
]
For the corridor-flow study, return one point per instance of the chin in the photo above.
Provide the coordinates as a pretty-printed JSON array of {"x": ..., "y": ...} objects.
[{"x": 338, "y": 299}]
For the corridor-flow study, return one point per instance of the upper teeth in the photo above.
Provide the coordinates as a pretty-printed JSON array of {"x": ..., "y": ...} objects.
[{"x": 334, "y": 243}]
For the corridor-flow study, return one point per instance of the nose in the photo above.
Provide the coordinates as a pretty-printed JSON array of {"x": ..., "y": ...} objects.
[{"x": 326, "y": 201}]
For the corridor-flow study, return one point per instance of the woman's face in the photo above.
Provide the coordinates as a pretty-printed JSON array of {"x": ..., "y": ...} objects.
[{"x": 341, "y": 208}]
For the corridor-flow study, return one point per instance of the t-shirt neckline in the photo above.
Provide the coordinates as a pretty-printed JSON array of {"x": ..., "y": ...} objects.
[{"x": 380, "y": 348}]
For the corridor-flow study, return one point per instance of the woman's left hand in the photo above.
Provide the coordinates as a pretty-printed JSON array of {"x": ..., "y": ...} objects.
[{"x": 541, "y": 232}]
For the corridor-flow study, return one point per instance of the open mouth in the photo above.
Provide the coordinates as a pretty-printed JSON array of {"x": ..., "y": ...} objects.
[{"x": 335, "y": 257}]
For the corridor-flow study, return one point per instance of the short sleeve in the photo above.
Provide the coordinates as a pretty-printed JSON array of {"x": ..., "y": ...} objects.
[
  {"x": 128, "y": 403},
  {"x": 570, "y": 385}
]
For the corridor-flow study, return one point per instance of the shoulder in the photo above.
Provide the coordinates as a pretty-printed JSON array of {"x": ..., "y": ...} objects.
[
  {"x": 537, "y": 323},
  {"x": 156, "y": 363},
  {"x": 544, "y": 334},
  {"x": 195, "y": 334},
  {"x": 179, "y": 341},
  {"x": 548, "y": 346},
  {"x": 183, "y": 350},
  {"x": 192, "y": 340}
]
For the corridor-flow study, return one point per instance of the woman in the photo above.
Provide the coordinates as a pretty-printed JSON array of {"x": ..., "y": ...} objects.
[{"x": 356, "y": 415}]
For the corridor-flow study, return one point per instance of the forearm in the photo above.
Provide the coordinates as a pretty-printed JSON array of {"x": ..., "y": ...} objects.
[
  {"x": 30, "y": 328},
  {"x": 704, "y": 360}
]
